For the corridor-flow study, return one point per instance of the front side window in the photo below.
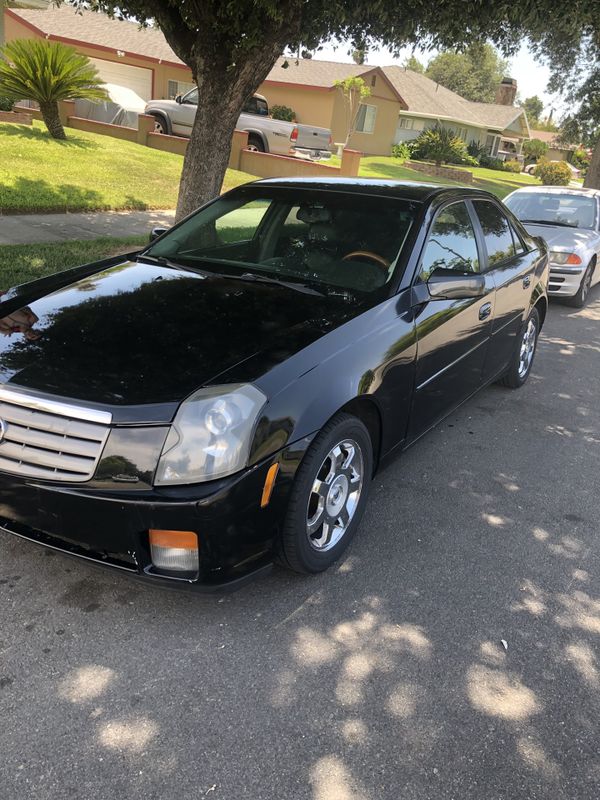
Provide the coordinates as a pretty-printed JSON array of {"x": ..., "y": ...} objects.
[
  {"x": 496, "y": 232},
  {"x": 332, "y": 239},
  {"x": 365, "y": 120},
  {"x": 451, "y": 244},
  {"x": 191, "y": 98},
  {"x": 554, "y": 208}
]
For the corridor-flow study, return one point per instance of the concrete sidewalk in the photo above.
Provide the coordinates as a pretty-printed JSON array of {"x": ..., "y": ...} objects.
[{"x": 34, "y": 228}]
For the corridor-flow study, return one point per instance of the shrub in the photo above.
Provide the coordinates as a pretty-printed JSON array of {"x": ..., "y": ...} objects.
[
  {"x": 581, "y": 159},
  {"x": 513, "y": 165},
  {"x": 553, "y": 173},
  {"x": 283, "y": 112},
  {"x": 441, "y": 145},
  {"x": 6, "y": 104},
  {"x": 403, "y": 150},
  {"x": 489, "y": 162},
  {"x": 476, "y": 150}
]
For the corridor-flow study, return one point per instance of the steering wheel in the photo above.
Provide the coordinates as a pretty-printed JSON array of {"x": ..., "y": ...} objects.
[{"x": 381, "y": 262}]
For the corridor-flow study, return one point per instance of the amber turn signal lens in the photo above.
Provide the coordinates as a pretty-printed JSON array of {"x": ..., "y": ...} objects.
[
  {"x": 573, "y": 259},
  {"x": 269, "y": 484},
  {"x": 175, "y": 551}
]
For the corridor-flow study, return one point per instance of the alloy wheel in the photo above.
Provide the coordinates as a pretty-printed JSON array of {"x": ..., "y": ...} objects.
[
  {"x": 527, "y": 348},
  {"x": 335, "y": 495}
]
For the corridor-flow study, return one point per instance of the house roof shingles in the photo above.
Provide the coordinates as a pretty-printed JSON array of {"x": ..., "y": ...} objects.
[{"x": 97, "y": 29}]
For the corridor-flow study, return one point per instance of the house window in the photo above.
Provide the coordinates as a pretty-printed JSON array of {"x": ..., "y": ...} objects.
[
  {"x": 365, "y": 121},
  {"x": 407, "y": 124},
  {"x": 462, "y": 134},
  {"x": 373, "y": 80},
  {"x": 178, "y": 87}
]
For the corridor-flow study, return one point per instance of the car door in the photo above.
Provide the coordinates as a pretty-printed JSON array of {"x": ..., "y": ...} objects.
[
  {"x": 184, "y": 113},
  {"x": 452, "y": 334},
  {"x": 512, "y": 268}
]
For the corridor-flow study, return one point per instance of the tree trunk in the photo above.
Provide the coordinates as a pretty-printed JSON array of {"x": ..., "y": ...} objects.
[
  {"x": 52, "y": 120},
  {"x": 208, "y": 150},
  {"x": 592, "y": 178}
]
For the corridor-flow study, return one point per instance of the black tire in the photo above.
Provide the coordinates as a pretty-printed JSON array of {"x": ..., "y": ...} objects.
[
  {"x": 255, "y": 143},
  {"x": 161, "y": 124},
  {"x": 516, "y": 376},
  {"x": 297, "y": 549},
  {"x": 580, "y": 299}
]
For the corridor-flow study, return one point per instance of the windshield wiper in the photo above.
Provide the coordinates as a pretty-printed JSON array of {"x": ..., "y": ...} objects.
[
  {"x": 548, "y": 222},
  {"x": 252, "y": 277}
]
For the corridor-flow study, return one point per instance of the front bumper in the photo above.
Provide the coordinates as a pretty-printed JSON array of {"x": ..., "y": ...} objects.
[
  {"x": 565, "y": 281},
  {"x": 110, "y": 528}
]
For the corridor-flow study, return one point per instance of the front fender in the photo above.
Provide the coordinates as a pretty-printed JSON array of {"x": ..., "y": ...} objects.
[{"x": 370, "y": 357}]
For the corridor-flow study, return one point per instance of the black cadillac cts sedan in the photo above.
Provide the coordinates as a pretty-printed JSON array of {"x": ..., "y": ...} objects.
[{"x": 194, "y": 411}]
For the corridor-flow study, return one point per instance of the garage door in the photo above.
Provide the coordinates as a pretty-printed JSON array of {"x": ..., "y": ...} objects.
[{"x": 136, "y": 78}]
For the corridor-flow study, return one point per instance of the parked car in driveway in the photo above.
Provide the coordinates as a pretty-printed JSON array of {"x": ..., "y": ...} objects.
[
  {"x": 265, "y": 135},
  {"x": 569, "y": 221},
  {"x": 221, "y": 399}
]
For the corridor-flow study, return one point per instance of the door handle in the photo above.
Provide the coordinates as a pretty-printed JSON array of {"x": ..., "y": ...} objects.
[
  {"x": 485, "y": 311},
  {"x": 527, "y": 281}
]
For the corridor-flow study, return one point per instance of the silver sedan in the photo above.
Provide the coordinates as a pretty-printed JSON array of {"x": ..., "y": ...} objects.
[{"x": 569, "y": 220}]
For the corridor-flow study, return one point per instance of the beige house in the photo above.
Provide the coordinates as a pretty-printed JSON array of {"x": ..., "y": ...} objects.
[
  {"x": 401, "y": 104},
  {"x": 557, "y": 151}
]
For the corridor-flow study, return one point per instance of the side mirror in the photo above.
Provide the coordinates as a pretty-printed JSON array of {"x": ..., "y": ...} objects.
[
  {"x": 446, "y": 284},
  {"x": 178, "y": 99},
  {"x": 156, "y": 232}
]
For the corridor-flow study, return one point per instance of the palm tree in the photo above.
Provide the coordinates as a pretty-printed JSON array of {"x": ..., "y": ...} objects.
[{"x": 36, "y": 69}]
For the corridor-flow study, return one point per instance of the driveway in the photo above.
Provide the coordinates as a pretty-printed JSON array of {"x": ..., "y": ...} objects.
[{"x": 452, "y": 654}]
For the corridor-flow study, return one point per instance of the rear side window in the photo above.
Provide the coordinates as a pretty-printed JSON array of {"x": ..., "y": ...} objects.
[
  {"x": 451, "y": 244},
  {"x": 496, "y": 231}
]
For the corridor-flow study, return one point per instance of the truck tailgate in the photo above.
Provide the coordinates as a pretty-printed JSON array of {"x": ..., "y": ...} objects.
[{"x": 313, "y": 138}]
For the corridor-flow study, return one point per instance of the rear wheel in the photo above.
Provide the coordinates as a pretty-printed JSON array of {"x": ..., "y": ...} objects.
[
  {"x": 522, "y": 360},
  {"x": 255, "y": 144},
  {"x": 580, "y": 299},
  {"x": 328, "y": 497}
]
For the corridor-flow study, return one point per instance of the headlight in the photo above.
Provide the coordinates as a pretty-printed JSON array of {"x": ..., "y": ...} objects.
[
  {"x": 211, "y": 435},
  {"x": 564, "y": 258}
]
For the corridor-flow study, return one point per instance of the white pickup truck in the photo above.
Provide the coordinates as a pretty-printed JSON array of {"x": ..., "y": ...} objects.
[{"x": 265, "y": 135}]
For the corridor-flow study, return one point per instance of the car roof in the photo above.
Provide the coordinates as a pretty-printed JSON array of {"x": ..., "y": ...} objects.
[
  {"x": 559, "y": 190},
  {"x": 404, "y": 190}
]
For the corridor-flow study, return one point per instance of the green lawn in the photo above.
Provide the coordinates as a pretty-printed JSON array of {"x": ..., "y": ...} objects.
[
  {"x": 25, "y": 262},
  {"x": 500, "y": 183},
  {"x": 87, "y": 172}
]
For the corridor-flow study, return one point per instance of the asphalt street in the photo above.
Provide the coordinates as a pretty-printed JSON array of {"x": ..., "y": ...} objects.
[{"x": 453, "y": 653}]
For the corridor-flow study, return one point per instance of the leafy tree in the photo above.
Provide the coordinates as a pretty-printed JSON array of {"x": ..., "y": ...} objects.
[
  {"x": 412, "y": 63},
  {"x": 36, "y": 69},
  {"x": 359, "y": 55},
  {"x": 533, "y": 107},
  {"x": 231, "y": 47},
  {"x": 353, "y": 90},
  {"x": 583, "y": 125},
  {"x": 474, "y": 74},
  {"x": 534, "y": 149}
]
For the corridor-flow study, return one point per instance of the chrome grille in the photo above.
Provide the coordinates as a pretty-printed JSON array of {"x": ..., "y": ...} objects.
[{"x": 48, "y": 439}]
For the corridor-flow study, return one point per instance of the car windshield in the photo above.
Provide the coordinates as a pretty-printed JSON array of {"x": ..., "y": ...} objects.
[
  {"x": 553, "y": 208},
  {"x": 329, "y": 239}
]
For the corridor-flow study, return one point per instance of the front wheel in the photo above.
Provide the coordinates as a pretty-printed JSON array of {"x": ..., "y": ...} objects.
[
  {"x": 580, "y": 299},
  {"x": 522, "y": 360},
  {"x": 328, "y": 497}
]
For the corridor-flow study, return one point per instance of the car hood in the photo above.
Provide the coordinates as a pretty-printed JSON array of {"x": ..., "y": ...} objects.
[
  {"x": 559, "y": 237},
  {"x": 139, "y": 333}
]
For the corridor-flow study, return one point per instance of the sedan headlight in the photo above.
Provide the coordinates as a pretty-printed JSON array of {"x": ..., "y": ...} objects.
[
  {"x": 211, "y": 434},
  {"x": 564, "y": 258}
]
